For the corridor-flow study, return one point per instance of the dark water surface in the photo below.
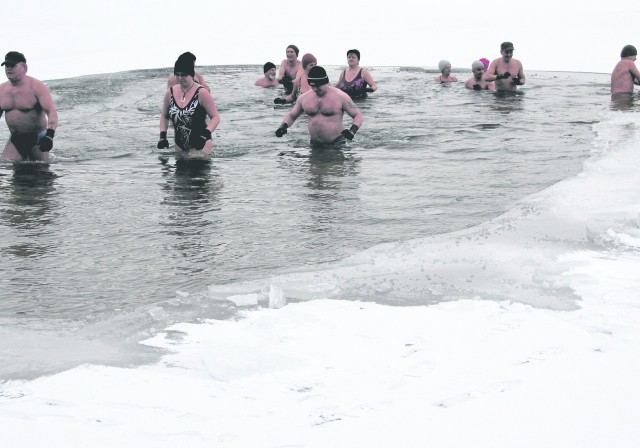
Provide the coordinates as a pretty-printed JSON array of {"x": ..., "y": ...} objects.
[{"x": 107, "y": 245}]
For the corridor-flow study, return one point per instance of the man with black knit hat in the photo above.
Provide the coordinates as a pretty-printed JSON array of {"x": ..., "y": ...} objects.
[
  {"x": 625, "y": 74},
  {"x": 30, "y": 114},
  {"x": 325, "y": 106},
  {"x": 506, "y": 71},
  {"x": 269, "y": 78}
]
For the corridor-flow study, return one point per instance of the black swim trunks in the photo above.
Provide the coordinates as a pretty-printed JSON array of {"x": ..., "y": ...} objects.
[{"x": 24, "y": 143}]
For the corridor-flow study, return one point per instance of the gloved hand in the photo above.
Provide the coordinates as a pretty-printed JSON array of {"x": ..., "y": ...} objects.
[
  {"x": 46, "y": 142},
  {"x": 163, "y": 143},
  {"x": 199, "y": 140},
  {"x": 517, "y": 81},
  {"x": 351, "y": 132},
  {"x": 369, "y": 89},
  {"x": 505, "y": 75},
  {"x": 279, "y": 101},
  {"x": 477, "y": 87},
  {"x": 281, "y": 130}
]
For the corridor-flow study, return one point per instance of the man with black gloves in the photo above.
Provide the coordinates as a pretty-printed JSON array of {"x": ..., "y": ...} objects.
[
  {"x": 325, "y": 105},
  {"x": 31, "y": 116},
  {"x": 506, "y": 71}
]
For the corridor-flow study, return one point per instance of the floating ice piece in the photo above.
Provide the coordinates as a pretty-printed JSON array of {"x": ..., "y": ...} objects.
[
  {"x": 244, "y": 299},
  {"x": 276, "y": 297}
]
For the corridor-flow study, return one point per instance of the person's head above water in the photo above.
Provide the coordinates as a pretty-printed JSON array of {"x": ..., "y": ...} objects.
[
  {"x": 485, "y": 62},
  {"x": 628, "y": 50},
  {"x": 268, "y": 66},
  {"x": 475, "y": 65},
  {"x": 442, "y": 65},
  {"x": 354, "y": 51},
  {"x": 308, "y": 59},
  {"x": 184, "y": 65},
  {"x": 317, "y": 76},
  {"x": 188, "y": 56},
  {"x": 295, "y": 49}
]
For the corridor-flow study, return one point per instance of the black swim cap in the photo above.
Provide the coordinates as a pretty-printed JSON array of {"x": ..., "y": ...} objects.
[
  {"x": 628, "y": 50},
  {"x": 317, "y": 76},
  {"x": 188, "y": 56},
  {"x": 268, "y": 66},
  {"x": 294, "y": 49},
  {"x": 356, "y": 52},
  {"x": 184, "y": 65}
]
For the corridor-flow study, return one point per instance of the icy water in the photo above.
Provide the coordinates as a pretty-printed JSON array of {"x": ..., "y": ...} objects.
[{"x": 106, "y": 246}]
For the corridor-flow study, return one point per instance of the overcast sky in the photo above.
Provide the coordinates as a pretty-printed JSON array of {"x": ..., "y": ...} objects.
[{"x": 71, "y": 38}]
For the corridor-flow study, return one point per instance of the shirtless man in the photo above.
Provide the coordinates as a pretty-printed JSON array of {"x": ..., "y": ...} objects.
[
  {"x": 31, "y": 116},
  {"x": 477, "y": 82},
  {"x": 506, "y": 71},
  {"x": 325, "y": 105},
  {"x": 289, "y": 69},
  {"x": 173, "y": 81},
  {"x": 625, "y": 74},
  {"x": 300, "y": 84},
  {"x": 269, "y": 78}
]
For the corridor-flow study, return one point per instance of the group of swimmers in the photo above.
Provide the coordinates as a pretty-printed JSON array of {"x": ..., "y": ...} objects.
[{"x": 32, "y": 117}]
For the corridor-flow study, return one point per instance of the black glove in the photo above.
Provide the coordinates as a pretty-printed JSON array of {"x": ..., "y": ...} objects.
[
  {"x": 517, "y": 81},
  {"x": 279, "y": 101},
  {"x": 505, "y": 75},
  {"x": 477, "y": 87},
  {"x": 369, "y": 89},
  {"x": 46, "y": 142},
  {"x": 282, "y": 130},
  {"x": 198, "y": 140},
  {"x": 351, "y": 132},
  {"x": 163, "y": 143}
]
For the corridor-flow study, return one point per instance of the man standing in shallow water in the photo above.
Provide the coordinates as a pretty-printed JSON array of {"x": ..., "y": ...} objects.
[
  {"x": 625, "y": 74},
  {"x": 325, "y": 105},
  {"x": 31, "y": 116},
  {"x": 506, "y": 71}
]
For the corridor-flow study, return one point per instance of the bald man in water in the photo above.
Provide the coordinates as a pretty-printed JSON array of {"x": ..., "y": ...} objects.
[{"x": 625, "y": 74}]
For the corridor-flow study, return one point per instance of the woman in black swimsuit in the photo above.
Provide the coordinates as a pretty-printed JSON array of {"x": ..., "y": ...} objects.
[
  {"x": 187, "y": 105},
  {"x": 354, "y": 80}
]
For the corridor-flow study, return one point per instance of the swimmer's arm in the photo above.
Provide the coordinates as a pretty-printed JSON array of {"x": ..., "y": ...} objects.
[
  {"x": 200, "y": 80},
  {"x": 293, "y": 114},
  {"x": 164, "y": 117},
  {"x": 635, "y": 73},
  {"x": 210, "y": 106},
  {"x": 369, "y": 79},
  {"x": 170, "y": 82},
  {"x": 296, "y": 86},
  {"x": 43, "y": 96},
  {"x": 352, "y": 110},
  {"x": 340, "y": 78},
  {"x": 490, "y": 75},
  {"x": 521, "y": 74}
]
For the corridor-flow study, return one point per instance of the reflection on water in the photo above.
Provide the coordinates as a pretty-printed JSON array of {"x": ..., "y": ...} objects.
[
  {"x": 29, "y": 208},
  {"x": 622, "y": 102}
]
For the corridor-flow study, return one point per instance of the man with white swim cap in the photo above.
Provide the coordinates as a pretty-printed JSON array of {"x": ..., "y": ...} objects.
[
  {"x": 445, "y": 73},
  {"x": 31, "y": 116},
  {"x": 625, "y": 74},
  {"x": 325, "y": 106},
  {"x": 506, "y": 71},
  {"x": 477, "y": 82}
]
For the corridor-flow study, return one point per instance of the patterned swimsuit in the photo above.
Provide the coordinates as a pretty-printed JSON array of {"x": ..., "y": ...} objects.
[
  {"x": 191, "y": 117},
  {"x": 356, "y": 88}
]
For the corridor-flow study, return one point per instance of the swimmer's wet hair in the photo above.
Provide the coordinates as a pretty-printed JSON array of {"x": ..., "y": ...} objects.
[
  {"x": 628, "y": 50},
  {"x": 354, "y": 51}
]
